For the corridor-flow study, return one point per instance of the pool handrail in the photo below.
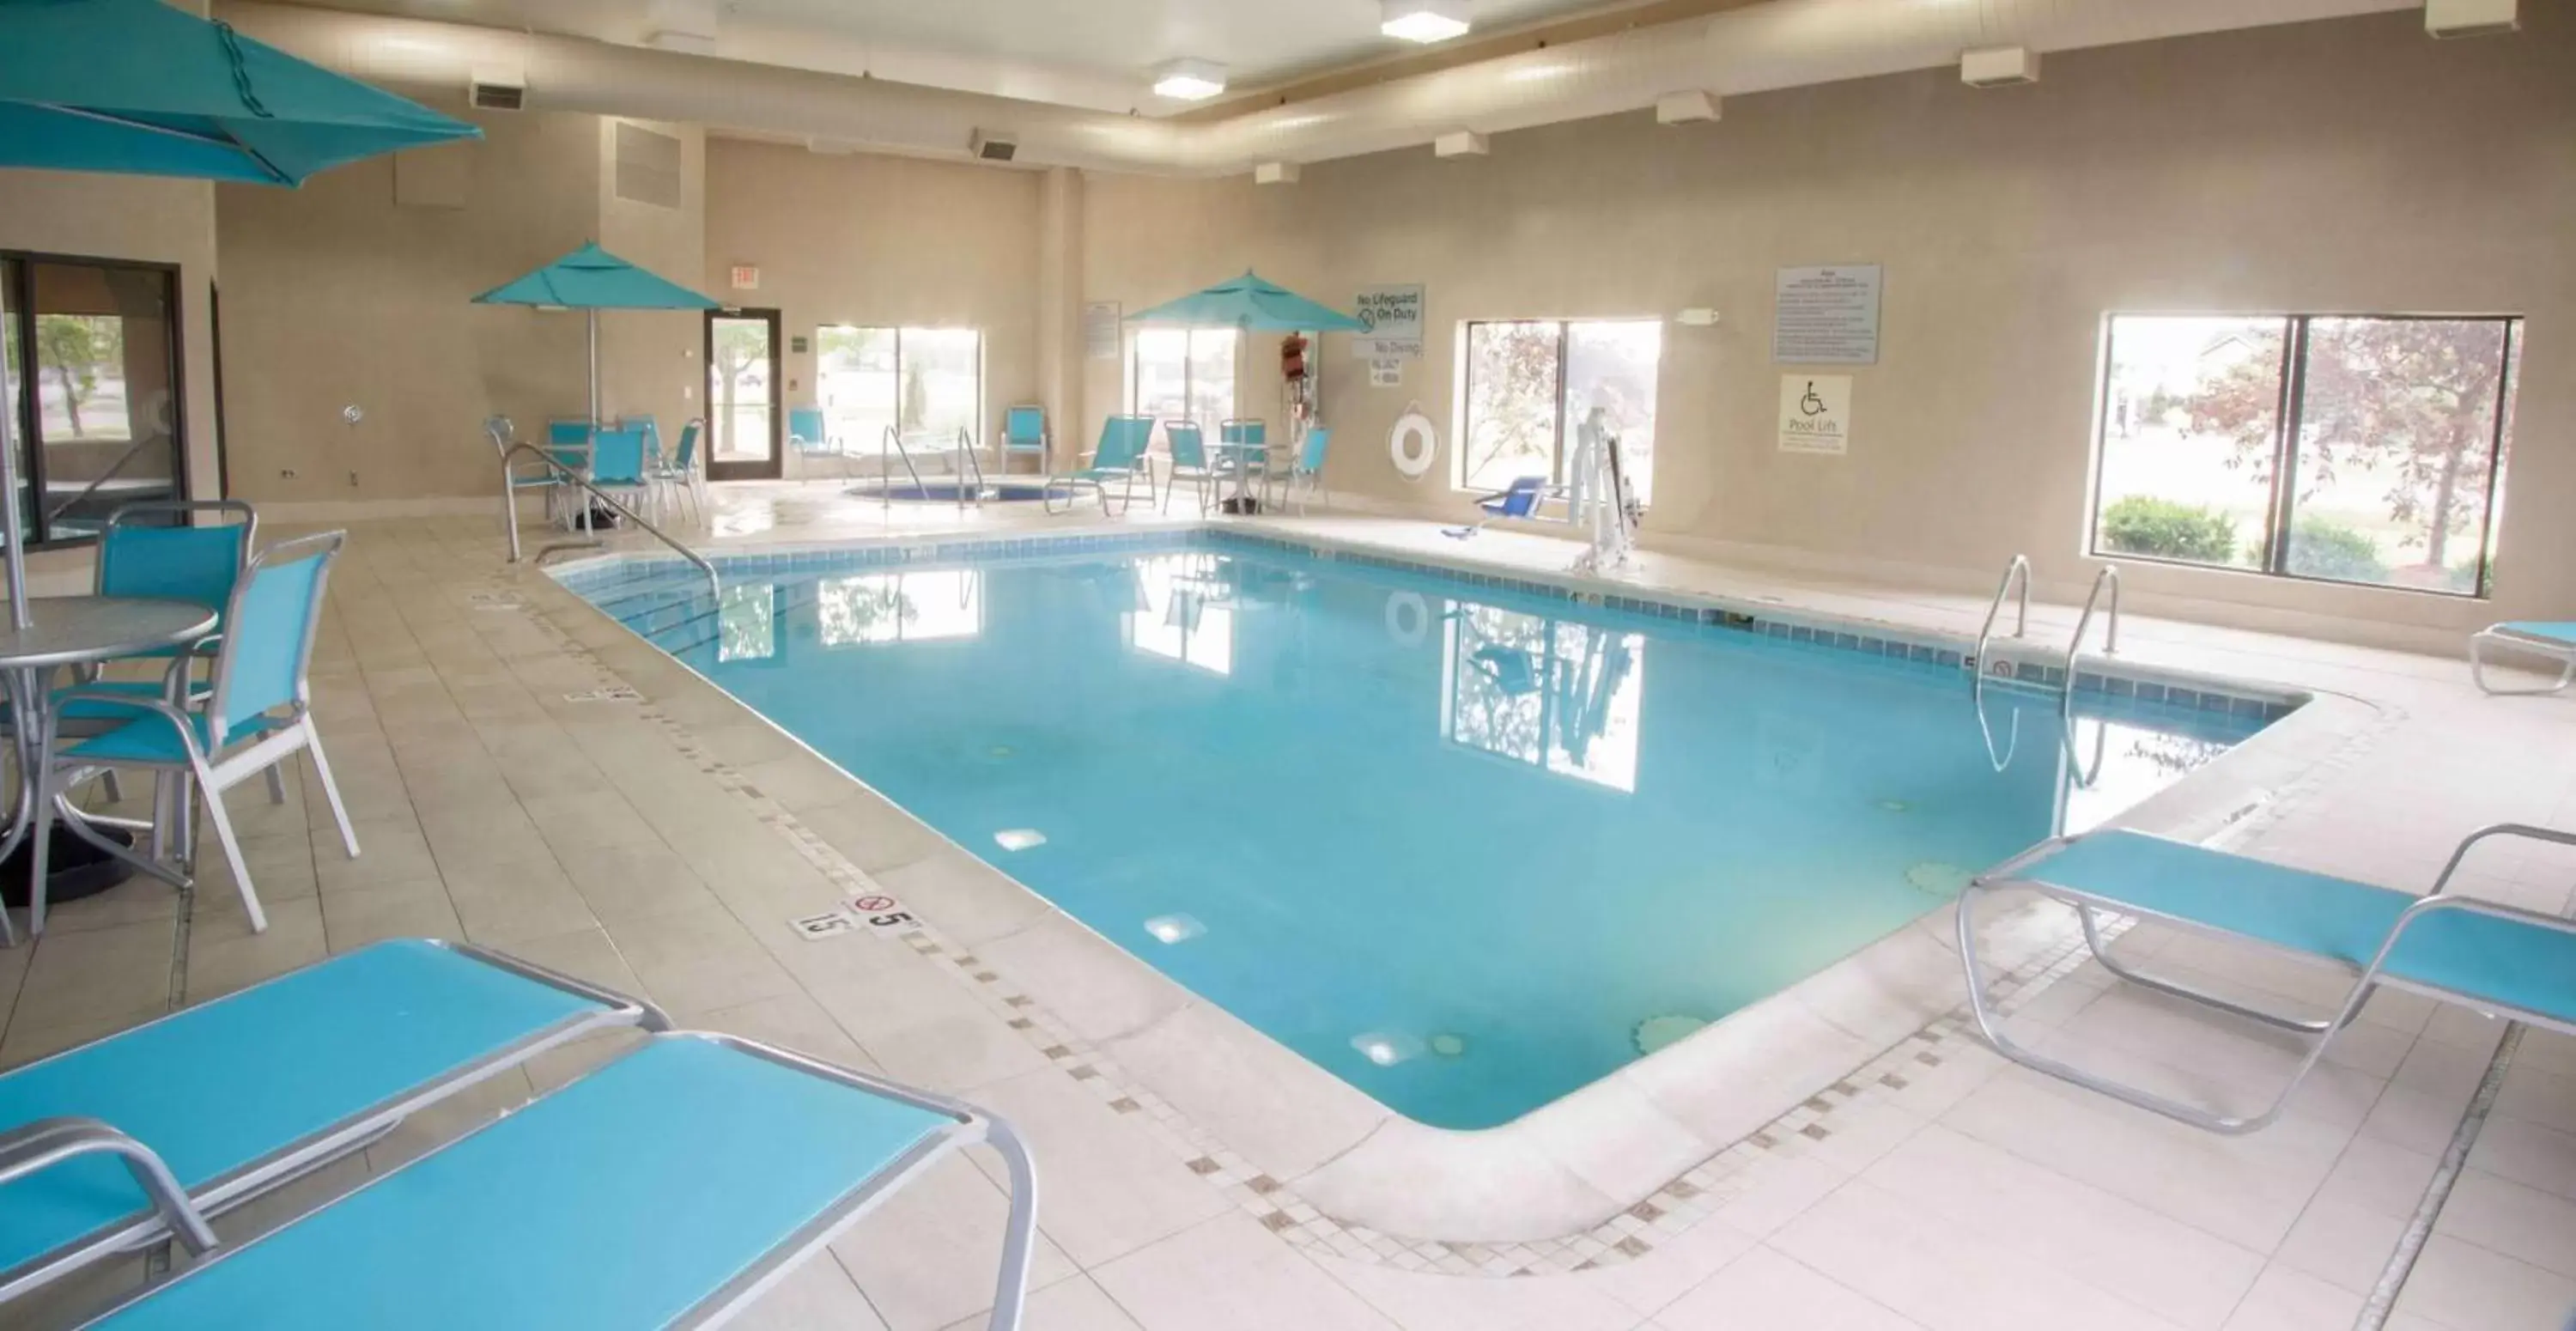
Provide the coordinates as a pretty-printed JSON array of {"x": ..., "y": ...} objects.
[{"x": 567, "y": 476}]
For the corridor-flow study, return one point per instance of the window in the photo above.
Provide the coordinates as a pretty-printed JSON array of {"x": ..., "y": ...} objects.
[
  {"x": 98, "y": 344},
  {"x": 927, "y": 381},
  {"x": 2341, "y": 448},
  {"x": 1532, "y": 383},
  {"x": 1183, "y": 374}
]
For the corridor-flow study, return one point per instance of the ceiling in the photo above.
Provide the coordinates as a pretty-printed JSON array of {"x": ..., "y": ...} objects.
[{"x": 1097, "y": 54}]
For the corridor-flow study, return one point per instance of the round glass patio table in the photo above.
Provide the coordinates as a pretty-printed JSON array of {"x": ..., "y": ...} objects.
[{"x": 77, "y": 630}]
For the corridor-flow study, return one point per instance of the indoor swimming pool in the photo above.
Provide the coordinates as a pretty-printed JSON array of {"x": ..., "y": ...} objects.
[{"x": 1466, "y": 847}]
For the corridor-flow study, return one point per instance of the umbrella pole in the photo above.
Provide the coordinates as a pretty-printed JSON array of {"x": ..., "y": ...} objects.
[
  {"x": 11, "y": 529},
  {"x": 593, "y": 325}
]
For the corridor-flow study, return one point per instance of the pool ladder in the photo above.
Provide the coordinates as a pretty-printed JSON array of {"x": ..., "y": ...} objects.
[
  {"x": 964, "y": 466},
  {"x": 2017, "y": 580}
]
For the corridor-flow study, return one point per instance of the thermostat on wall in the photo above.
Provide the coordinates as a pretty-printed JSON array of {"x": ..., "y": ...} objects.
[{"x": 1698, "y": 316}]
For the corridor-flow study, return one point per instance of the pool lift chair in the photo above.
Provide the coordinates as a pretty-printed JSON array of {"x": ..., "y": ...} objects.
[{"x": 1519, "y": 500}]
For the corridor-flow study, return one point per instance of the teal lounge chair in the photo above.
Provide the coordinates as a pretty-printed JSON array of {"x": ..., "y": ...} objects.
[
  {"x": 2455, "y": 949},
  {"x": 1025, "y": 435},
  {"x": 134, "y": 1139},
  {"x": 2554, "y": 640},
  {"x": 1187, "y": 442},
  {"x": 811, "y": 437},
  {"x": 1119, "y": 461},
  {"x": 667, "y": 1189},
  {"x": 1308, "y": 469}
]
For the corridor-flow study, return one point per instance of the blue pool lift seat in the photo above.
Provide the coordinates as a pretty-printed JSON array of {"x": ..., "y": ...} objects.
[
  {"x": 257, "y": 714},
  {"x": 218, "y": 1103},
  {"x": 2552, "y": 640},
  {"x": 810, "y": 436},
  {"x": 1025, "y": 435},
  {"x": 2446, "y": 946},
  {"x": 667, "y": 1189},
  {"x": 1520, "y": 500},
  {"x": 1118, "y": 462}
]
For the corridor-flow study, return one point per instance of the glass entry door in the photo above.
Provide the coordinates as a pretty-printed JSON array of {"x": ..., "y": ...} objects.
[
  {"x": 92, "y": 368},
  {"x": 742, "y": 395}
]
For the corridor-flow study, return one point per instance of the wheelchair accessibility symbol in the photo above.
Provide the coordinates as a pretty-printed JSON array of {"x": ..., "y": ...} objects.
[{"x": 1815, "y": 413}]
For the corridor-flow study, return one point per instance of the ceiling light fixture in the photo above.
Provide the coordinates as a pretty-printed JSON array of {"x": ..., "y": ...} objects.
[
  {"x": 1189, "y": 80},
  {"x": 1425, "y": 21}
]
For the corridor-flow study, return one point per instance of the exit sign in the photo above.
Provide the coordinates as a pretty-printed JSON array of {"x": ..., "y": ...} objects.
[{"x": 746, "y": 277}]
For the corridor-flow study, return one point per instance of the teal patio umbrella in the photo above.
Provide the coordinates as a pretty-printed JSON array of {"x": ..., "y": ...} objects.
[
  {"x": 591, "y": 279},
  {"x": 135, "y": 87},
  {"x": 1252, "y": 303}
]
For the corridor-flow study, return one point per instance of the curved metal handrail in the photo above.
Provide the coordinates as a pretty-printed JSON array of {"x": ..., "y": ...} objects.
[
  {"x": 50, "y": 1141},
  {"x": 2083, "y": 776},
  {"x": 2018, "y": 568},
  {"x": 567, "y": 476},
  {"x": 968, "y": 463},
  {"x": 2110, "y": 577},
  {"x": 885, "y": 490}
]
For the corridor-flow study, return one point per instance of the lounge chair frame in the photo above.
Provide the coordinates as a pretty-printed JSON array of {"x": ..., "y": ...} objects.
[
  {"x": 23, "y": 1148},
  {"x": 2504, "y": 635},
  {"x": 972, "y": 1127},
  {"x": 2319, "y": 1031}
]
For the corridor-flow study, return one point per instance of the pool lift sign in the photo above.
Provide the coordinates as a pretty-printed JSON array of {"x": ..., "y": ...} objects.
[{"x": 1815, "y": 413}]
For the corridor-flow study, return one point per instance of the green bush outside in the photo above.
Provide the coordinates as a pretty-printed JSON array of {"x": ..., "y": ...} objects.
[
  {"x": 2164, "y": 529},
  {"x": 2324, "y": 548}
]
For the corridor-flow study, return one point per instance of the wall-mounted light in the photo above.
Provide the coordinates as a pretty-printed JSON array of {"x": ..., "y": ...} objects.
[
  {"x": 1425, "y": 21},
  {"x": 1187, "y": 80}
]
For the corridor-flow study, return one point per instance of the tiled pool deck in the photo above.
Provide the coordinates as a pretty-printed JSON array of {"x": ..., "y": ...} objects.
[{"x": 662, "y": 845}]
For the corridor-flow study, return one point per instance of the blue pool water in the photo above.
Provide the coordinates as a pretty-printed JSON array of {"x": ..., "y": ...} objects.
[{"x": 1466, "y": 849}]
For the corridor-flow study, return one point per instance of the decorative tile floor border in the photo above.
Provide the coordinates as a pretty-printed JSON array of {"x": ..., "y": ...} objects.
[
  {"x": 2012, "y": 663},
  {"x": 1663, "y": 1216}
]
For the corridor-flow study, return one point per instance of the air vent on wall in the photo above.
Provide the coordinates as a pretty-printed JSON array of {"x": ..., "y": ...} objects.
[
  {"x": 497, "y": 93},
  {"x": 648, "y": 166},
  {"x": 991, "y": 147},
  {"x": 2470, "y": 18}
]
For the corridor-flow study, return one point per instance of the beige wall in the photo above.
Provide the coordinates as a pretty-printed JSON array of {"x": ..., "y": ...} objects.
[
  {"x": 881, "y": 241},
  {"x": 2352, "y": 165},
  {"x": 334, "y": 295}
]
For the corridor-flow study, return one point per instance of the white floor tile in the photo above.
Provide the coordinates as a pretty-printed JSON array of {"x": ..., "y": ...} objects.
[{"x": 1230, "y": 1273}]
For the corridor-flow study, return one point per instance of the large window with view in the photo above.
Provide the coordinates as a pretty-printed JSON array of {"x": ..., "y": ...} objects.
[
  {"x": 1182, "y": 374},
  {"x": 926, "y": 382},
  {"x": 1531, "y": 383},
  {"x": 2336, "y": 447}
]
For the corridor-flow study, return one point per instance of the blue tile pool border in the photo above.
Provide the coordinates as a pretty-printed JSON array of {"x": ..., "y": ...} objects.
[{"x": 2015, "y": 667}]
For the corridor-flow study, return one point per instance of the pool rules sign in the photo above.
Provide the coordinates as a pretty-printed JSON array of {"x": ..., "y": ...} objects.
[{"x": 1815, "y": 413}]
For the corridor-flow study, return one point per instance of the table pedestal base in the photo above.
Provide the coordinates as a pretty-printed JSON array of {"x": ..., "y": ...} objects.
[{"x": 75, "y": 869}]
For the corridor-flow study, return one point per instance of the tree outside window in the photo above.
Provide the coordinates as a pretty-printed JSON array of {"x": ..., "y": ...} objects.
[
  {"x": 2351, "y": 449},
  {"x": 1532, "y": 383}
]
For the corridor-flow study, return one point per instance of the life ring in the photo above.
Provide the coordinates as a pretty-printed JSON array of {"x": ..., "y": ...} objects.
[
  {"x": 1408, "y": 617},
  {"x": 1414, "y": 443}
]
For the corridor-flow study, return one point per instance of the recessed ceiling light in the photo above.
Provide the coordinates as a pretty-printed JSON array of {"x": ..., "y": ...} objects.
[
  {"x": 1189, "y": 80},
  {"x": 1425, "y": 20}
]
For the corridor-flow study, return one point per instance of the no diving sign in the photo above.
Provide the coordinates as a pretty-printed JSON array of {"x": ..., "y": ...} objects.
[{"x": 882, "y": 912}]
